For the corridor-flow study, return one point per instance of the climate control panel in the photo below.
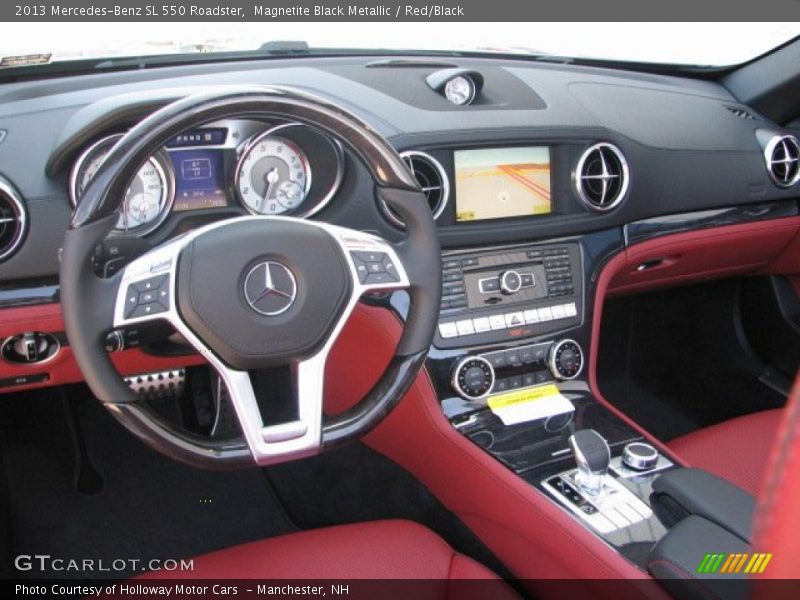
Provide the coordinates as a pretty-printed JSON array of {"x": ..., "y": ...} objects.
[{"x": 476, "y": 377}]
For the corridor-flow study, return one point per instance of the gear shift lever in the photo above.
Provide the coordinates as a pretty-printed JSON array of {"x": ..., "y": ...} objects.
[{"x": 592, "y": 456}]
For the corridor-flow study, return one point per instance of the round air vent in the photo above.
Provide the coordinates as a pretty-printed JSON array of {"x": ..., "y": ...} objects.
[
  {"x": 602, "y": 177},
  {"x": 432, "y": 179},
  {"x": 783, "y": 160},
  {"x": 13, "y": 220}
]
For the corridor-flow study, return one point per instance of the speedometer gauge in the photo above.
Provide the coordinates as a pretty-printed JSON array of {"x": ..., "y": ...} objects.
[
  {"x": 147, "y": 199},
  {"x": 273, "y": 175}
]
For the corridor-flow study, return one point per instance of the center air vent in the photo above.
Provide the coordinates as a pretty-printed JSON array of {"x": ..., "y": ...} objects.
[
  {"x": 432, "y": 180},
  {"x": 13, "y": 220},
  {"x": 601, "y": 177},
  {"x": 783, "y": 160}
]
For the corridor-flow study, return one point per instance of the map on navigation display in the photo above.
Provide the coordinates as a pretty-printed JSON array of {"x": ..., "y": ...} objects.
[{"x": 499, "y": 183}]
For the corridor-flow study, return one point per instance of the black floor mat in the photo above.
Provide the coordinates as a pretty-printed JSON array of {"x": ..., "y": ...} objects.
[
  {"x": 149, "y": 506},
  {"x": 676, "y": 360},
  {"x": 153, "y": 507},
  {"x": 355, "y": 484}
]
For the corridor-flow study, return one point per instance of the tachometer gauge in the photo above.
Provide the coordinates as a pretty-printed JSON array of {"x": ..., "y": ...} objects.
[
  {"x": 147, "y": 199},
  {"x": 273, "y": 175}
]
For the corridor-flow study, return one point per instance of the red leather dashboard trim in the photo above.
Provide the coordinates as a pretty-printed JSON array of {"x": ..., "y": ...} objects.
[
  {"x": 62, "y": 368},
  {"x": 709, "y": 253}
]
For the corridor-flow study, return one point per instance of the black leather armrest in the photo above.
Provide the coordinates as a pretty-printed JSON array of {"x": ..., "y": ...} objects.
[
  {"x": 675, "y": 559},
  {"x": 679, "y": 493}
]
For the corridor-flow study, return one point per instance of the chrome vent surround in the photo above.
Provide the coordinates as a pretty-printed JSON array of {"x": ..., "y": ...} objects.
[
  {"x": 433, "y": 182},
  {"x": 602, "y": 177},
  {"x": 13, "y": 220},
  {"x": 782, "y": 155}
]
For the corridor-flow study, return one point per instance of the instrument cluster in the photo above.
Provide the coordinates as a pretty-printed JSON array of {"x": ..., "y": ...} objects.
[{"x": 261, "y": 168}]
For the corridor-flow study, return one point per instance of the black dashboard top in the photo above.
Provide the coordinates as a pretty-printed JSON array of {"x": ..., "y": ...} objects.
[{"x": 689, "y": 144}]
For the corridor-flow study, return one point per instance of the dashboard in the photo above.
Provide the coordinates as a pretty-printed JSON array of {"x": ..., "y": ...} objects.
[
  {"x": 544, "y": 151},
  {"x": 535, "y": 180}
]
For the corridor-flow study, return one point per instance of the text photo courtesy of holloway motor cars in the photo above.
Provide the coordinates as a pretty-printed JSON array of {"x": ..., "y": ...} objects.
[{"x": 398, "y": 300}]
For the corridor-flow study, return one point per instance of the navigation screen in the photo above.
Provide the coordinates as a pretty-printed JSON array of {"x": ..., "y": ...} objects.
[{"x": 502, "y": 182}]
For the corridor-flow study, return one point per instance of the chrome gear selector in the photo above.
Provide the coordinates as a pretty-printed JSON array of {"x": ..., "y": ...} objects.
[{"x": 592, "y": 456}]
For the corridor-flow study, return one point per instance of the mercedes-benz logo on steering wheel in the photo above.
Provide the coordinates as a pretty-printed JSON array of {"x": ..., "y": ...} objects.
[{"x": 270, "y": 288}]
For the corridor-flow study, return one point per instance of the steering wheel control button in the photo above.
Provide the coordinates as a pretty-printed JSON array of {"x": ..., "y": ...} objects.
[
  {"x": 374, "y": 267},
  {"x": 153, "y": 283},
  {"x": 566, "y": 359},
  {"x": 510, "y": 282},
  {"x": 639, "y": 456},
  {"x": 147, "y": 297},
  {"x": 473, "y": 378}
]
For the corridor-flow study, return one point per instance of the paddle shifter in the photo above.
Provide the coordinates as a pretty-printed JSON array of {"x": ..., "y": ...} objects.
[{"x": 592, "y": 457}]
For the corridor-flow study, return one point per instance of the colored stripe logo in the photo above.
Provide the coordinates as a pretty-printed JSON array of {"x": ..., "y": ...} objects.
[{"x": 728, "y": 564}]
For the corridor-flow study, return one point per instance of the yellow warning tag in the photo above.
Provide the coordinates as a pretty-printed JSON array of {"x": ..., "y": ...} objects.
[{"x": 523, "y": 396}]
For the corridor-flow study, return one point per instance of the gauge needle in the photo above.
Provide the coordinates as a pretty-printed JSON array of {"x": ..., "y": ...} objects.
[{"x": 272, "y": 178}]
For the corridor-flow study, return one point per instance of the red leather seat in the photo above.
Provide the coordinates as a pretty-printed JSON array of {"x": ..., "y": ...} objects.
[
  {"x": 736, "y": 450},
  {"x": 375, "y": 550}
]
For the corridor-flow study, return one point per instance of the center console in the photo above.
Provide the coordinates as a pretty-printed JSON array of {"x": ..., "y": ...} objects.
[{"x": 513, "y": 329}]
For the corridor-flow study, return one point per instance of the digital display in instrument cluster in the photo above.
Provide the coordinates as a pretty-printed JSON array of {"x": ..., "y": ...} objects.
[{"x": 199, "y": 179}]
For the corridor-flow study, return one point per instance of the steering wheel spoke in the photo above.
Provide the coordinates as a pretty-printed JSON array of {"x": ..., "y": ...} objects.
[{"x": 146, "y": 290}]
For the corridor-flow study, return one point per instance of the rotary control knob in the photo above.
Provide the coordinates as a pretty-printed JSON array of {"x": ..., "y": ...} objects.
[
  {"x": 473, "y": 378},
  {"x": 510, "y": 282},
  {"x": 639, "y": 456},
  {"x": 566, "y": 359}
]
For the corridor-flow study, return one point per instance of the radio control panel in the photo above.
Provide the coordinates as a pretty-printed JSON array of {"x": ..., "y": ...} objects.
[{"x": 501, "y": 295}]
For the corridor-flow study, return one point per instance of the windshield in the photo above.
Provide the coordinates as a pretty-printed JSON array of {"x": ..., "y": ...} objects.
[{"x": 697, "y": 44}]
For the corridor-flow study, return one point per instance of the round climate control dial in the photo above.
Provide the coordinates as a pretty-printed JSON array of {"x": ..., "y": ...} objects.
[
  {"x": 473, "y": 378},
  {"x": 566, "y": 359}
]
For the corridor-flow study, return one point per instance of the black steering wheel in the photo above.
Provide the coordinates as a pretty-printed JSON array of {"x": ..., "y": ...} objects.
[{"x": 252, "y": 292}]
